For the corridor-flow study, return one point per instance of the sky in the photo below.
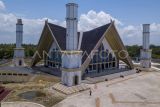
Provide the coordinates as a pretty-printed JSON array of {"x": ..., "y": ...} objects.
[{"x": 129, "y": 15}]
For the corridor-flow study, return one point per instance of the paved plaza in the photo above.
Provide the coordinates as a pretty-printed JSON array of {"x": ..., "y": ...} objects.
[{"x": 137, "y": 90}]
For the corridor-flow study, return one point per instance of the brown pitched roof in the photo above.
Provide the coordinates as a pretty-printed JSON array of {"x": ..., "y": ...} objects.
[
  {"x": 60, "y": 34},
  {"x": 91, "y": 38}
]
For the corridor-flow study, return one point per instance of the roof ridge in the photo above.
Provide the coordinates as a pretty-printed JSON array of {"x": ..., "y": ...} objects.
[
  {"x": 99, "y": 27},
  {"x": 55, "y": 25}
]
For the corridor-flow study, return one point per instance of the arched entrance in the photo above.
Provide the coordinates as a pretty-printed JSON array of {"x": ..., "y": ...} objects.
[
  {"x": 76, "y": 80},
  {"x": 20, "y": 62}
]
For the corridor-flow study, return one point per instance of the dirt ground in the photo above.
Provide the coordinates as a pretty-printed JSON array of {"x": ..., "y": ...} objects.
[
  {"x": 48, "y": 99},
  {"x": 38, "y": 83}
]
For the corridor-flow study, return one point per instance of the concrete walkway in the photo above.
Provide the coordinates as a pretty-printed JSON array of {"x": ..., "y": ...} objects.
[
  {"x": 155, "y": 68},
  {"x": 138, "y": 90},
  {"x": 20, "y": 104}
]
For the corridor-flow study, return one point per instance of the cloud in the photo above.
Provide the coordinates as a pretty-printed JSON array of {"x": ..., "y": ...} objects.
[
  {"x": 2, "y": 6},
  {"x": 130, "y": 34},
  {"x": 32, "y": 28},
  {"x": 95, "y": 19},
  {"x": 155, "y": 28}
]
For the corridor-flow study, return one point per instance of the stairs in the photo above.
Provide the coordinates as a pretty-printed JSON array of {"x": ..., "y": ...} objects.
[{"x": 69, "y": 90}]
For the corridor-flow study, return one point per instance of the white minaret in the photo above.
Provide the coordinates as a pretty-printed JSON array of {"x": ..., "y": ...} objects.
[
  {"x": 71, "y": 57},
  {"x": 146, "y": 52},
  {"x": 71, "y": 24},
  {"x": 19, "y": 51}
]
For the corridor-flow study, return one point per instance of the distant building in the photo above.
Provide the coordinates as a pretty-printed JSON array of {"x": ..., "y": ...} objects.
[
  {"x": 18, "y": 58},
  {"x": 80, "y": 54}
]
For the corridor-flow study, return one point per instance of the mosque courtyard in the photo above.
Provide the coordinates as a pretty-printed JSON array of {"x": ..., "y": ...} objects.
[{"x": 138, "y": 90}]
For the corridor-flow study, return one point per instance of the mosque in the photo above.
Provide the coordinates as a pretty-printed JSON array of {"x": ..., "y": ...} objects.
[
  {"x": 80, "y": 54},
  {"x": 76, "y": 55}
]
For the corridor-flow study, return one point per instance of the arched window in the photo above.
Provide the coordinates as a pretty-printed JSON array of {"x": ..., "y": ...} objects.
[
  {"x": 101, "y": 53},
  {"x": 102, "y": 60},
  {"x": 107, "y": 55},
  {"x": 110, "y": 56},
  {"x": 55, "y": 58},
  {"x": 114, "y": 59},
  {"x": 110, "y": 65},
  {"x": 106, "y": 65},
  {"x": 94, "y": 59},
  {"x": 114, "y": 64},
  {"x": 101, "y": 47}
]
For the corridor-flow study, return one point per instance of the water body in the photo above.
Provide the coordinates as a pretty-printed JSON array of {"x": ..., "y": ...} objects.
[{"x": 29, "y": 95}]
